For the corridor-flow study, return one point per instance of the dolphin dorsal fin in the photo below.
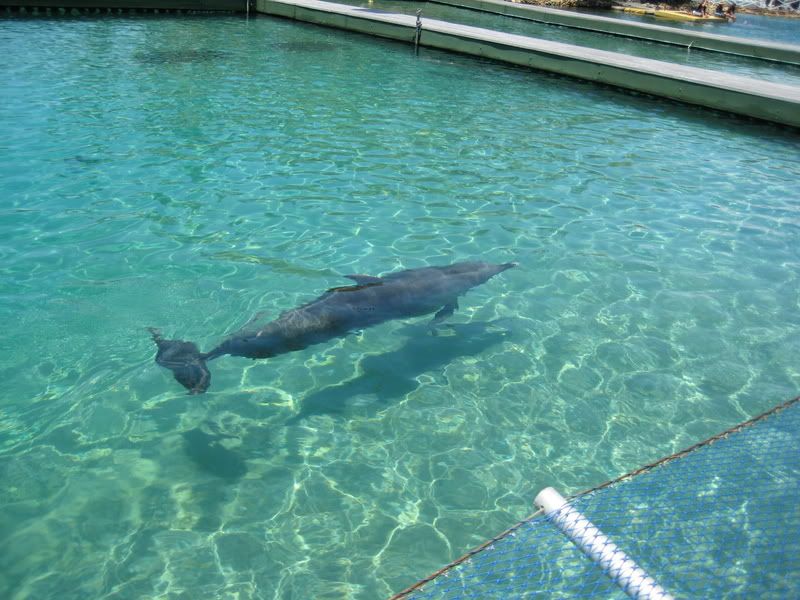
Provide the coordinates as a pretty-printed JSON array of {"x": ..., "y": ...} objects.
[{"x": 364, "y": 279}]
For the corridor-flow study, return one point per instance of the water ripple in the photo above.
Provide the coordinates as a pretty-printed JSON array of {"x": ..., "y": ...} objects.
[{"x": 189, "y": 174}]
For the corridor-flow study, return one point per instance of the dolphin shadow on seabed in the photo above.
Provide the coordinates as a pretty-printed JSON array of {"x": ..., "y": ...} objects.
[
  {"x": 208, "y": 453},
  {"x": 387, "y": 377}
]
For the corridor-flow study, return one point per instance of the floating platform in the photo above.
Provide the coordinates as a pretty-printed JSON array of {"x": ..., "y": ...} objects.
[{"x": 754, "y": 98}]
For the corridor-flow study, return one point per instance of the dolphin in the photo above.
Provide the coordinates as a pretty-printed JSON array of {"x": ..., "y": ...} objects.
[{"x": 337, "y": 312}]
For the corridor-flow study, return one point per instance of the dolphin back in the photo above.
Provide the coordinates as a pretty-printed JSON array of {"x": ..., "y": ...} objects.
[
  {"x": 482, "y": 271},
  {"x": 458, "y": 277}
]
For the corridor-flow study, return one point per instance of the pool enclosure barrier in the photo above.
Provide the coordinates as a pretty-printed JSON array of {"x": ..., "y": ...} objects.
[
  {"x": 622, "y": 569},
  {"x": 720, "y": 519}
]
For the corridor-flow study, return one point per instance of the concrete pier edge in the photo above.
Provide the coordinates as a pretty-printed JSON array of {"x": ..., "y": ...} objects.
[
  {"x": 761, "y": 49},
  {"x": 210, "y": 6},
  {"x": 754, "y": 98},
  {"x": 778, "y": 103}
]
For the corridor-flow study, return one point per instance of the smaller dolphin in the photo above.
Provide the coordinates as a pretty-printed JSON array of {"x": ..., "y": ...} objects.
[{"x": 339, "y": 311}]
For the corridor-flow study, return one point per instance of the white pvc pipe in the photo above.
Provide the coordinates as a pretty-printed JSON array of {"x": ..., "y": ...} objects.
[{"x": 618, "y": 565}]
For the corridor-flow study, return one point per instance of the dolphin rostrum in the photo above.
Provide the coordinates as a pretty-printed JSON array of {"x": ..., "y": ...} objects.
[{"x": 337, "y": 312}]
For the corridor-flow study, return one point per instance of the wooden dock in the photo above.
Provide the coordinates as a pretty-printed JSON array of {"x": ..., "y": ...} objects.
[
  {"x": 754, "y": 98},
  {"x": 700, "y": 40},
  {"x": 768, "y": 101}
]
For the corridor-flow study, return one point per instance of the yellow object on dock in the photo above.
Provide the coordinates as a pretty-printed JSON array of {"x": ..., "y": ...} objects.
[
  {"x": 637, "y": 11},
  {"x": 673, "y": 15},
  {"x": 679, "y": 15}
]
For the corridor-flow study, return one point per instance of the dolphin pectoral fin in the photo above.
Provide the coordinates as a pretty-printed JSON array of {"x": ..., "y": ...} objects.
[
  {"x": 184, "y": 359},
  {"x": 364, "y": 279},
  {"x": 446, "y": 311}
]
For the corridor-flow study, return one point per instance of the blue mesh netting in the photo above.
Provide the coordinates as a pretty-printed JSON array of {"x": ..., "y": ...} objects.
[{"x": 722, "y": 521}]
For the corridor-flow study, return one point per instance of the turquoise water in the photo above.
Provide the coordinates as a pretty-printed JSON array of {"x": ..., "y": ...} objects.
[
  {"x": 728, "y": 63},
  {"x": 189, "y": 173}
]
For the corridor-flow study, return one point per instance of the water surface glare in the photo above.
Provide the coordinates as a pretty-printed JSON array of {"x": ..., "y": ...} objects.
[{"x": 189, "y": 173}]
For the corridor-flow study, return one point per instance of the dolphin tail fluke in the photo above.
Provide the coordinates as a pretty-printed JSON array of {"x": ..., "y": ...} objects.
[{"x": 184, "y": 359}]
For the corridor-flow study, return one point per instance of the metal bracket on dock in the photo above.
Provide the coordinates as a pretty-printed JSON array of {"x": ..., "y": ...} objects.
[{"x": 419, "y": 32}]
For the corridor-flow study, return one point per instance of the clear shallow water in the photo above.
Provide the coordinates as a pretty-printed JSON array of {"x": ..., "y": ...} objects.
[
  {"x": 189, "y": 173},
  {"x": 737, "y": 65}
]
